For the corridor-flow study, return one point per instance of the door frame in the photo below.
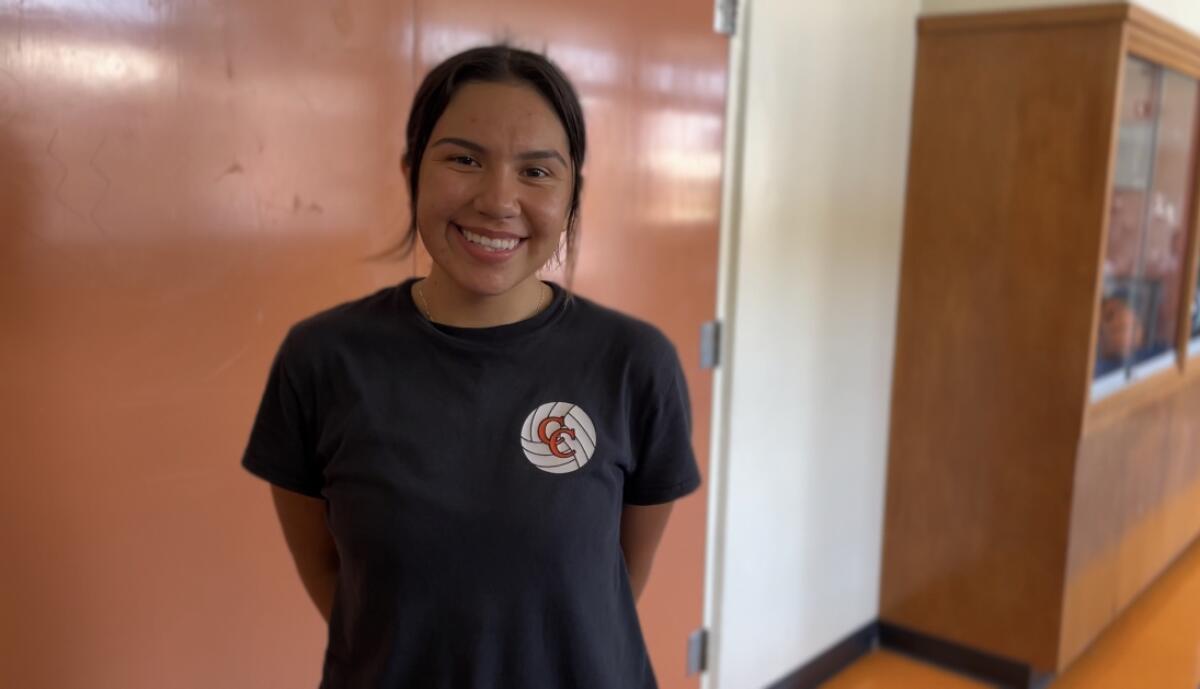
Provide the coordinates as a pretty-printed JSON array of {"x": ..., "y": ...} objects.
[{"x": 728, "y": 233}]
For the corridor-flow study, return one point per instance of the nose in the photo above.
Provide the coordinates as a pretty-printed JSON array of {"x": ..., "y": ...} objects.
[{"x": 499, "y": 194}]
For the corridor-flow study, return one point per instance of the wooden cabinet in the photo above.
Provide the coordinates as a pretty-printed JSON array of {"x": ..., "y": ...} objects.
[{"x": 1045, "y": 446}]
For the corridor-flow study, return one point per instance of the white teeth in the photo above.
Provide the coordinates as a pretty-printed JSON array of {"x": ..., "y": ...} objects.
[{"x": 489, "y": 243}]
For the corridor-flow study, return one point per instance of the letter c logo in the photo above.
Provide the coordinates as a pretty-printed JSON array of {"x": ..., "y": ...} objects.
[{"x": 558, "y": 437}]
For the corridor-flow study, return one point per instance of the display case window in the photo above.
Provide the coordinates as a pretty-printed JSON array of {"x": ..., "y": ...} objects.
[
  {"x": 1194, "y": 346},
  {"x": 1146, "y": 256}
]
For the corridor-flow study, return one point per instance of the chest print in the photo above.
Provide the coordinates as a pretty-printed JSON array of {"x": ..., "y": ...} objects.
[{"x": 558, "y": 437}]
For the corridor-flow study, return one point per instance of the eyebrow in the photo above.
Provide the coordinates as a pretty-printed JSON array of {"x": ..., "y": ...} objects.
[{"x": 527, "y": 155}]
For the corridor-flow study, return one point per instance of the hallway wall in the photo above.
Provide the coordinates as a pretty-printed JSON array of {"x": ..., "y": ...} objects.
[{"x": 828, "y": 93}]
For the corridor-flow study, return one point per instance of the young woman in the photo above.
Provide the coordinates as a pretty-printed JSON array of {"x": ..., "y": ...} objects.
[{"x": 473, "y": 469}]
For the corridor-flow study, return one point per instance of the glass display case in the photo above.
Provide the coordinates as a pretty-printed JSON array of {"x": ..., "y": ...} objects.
[
  {"x": 1145, "y": 299},
  {"x": 1046, "y": 378}
]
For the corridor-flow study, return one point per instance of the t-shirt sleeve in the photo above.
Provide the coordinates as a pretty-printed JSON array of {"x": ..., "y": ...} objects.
[
  {"x": 664, "y": 464},
  {"x": 282, "y": 446}
]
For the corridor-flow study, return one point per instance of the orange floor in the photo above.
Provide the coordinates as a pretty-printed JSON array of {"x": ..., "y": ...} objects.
[{"x": 1154, "y": 645}]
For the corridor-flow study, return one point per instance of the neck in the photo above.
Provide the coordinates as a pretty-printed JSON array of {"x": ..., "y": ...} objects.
[{"x": 449, "y": 304}]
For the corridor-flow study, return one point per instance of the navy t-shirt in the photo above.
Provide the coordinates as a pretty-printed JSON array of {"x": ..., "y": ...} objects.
[{"x": 474, "y": 480}]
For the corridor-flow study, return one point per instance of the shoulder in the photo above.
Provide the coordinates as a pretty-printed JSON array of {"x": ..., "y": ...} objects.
[
  {"x": 634, "y": 339},
  {"x": 341, "y": 323}
]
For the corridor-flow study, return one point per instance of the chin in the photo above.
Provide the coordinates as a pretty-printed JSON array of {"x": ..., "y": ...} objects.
[{"x": 484, "y": 283}]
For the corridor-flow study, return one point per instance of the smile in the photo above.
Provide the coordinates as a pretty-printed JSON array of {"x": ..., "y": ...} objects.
[{"x": 487, "y": 243}]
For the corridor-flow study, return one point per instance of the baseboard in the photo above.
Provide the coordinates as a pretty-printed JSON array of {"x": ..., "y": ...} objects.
[
  {"x": 832, "y": 661},
  {"x": 993, "y": 669}
]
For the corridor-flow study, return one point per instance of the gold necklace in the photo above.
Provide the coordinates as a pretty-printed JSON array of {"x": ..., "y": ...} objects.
[{"x": 424, "y": 305}]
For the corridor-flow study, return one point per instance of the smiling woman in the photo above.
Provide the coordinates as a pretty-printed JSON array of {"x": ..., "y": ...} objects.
[
  {"x": 495, "y": 195},
  {"x": 472, "y": 470}
]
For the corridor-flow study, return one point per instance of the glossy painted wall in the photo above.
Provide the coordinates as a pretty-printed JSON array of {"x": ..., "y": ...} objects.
[{"x": 184, "y": 180}]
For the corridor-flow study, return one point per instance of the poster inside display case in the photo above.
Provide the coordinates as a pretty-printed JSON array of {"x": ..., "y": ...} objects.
[{"x": 1146, "y": 258}]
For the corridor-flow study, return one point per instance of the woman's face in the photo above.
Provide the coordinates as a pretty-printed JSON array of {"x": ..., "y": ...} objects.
[{"x": 494, "y": 187}]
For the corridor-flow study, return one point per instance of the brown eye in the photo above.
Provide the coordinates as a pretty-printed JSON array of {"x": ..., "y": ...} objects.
[{"x": 464, "y": 160}]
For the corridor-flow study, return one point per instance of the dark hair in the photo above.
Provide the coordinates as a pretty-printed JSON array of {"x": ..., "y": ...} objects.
[{"x": 493, "y": 64}]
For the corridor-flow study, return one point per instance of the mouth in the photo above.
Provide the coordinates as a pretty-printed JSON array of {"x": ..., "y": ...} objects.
[{"x": 491, "y": 245}]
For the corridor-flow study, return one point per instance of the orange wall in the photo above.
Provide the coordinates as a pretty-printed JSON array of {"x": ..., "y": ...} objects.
[{"x": 181, "y": 182}]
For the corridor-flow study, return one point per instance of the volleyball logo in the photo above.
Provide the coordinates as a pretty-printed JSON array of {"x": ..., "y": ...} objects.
[{"x": 558, "y": 437}]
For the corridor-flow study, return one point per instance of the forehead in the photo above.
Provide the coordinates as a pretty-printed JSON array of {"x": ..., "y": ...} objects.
[{"x": 503, "y": 114}]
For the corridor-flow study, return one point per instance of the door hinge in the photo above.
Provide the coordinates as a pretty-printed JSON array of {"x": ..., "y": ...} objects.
[
  {"x": 710, "y": 344},
  {"x": 697, "y": 652},
  {"x": 725, "y": 16}
]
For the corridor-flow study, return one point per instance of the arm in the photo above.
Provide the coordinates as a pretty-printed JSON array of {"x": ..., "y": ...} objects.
[
  {"x": 311, "y": 544},
  {"x": 641, "y": 530}
]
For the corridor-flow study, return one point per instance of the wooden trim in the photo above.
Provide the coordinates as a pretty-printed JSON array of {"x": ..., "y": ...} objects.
[
  {"x": 832, "y": 660},
  {"x": 1020, "y": 19},
  {"x": 1137, "y": 395},
  {"x": 1165, "y": 31},
  {"x": 1110, "y": 174},
  {"x": 991, "y": 668},
  {"x": 1189, "y": 285},
  {"x": 1151, "y": 36},
  {"x": 1157, "y": 48}
]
